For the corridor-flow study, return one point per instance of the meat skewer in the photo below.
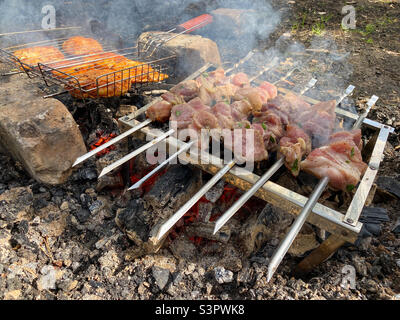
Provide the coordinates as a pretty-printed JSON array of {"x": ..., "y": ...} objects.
[
  {"x": 180, "y": 213},
  {"x": 303, "y": 216},
  {"x": 158, "y": 168},
  {"x": 246, "y": 196},
  {"x": 161, "y": 111},
  {"x": 126, "y": 134}
]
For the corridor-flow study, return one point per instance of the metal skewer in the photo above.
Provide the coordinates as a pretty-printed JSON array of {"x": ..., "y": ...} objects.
[
  {"x": 310, "y": 204},
  {"x": 181, "y": 212},
  {"x": 295, "y": 229},
  {"x": 238, "y": 204},
  {"x": 134, "y": 129},
  {"x": 41, "y": 30},
  {"x": 162, "y": 165},
  {"x": 111, "y": 142},
  {"x": 263, "y": 180},
  {"x": 135, "y": 153},
  {"x": 175, "y": 218},
  {"x": 140, "y": 182},
  {"x": 140, "y": 126}
]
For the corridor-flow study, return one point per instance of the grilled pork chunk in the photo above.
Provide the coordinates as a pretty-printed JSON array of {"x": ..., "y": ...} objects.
[
  {"x": 247, "y": 144},
  {"x": 293, "y": 146},
  {"x": 160, "y": 111},
  {"x": 340, "y": 160},
  {"x": 188, "y": 90}
]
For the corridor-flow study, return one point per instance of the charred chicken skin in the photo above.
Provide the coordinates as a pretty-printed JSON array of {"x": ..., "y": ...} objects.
[
  {"x": 33, "y": 56},
  {"x": 79, "y": 46},
  {"x": 98, "y": 73}
]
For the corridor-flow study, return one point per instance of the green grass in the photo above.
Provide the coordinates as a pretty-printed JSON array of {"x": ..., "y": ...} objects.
[
  {"x": 318, "y": 28},
  {"x": 299, "y": 24}
]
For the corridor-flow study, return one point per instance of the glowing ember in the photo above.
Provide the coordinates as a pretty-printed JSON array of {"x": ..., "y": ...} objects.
[{"x": 102, "y": 140}]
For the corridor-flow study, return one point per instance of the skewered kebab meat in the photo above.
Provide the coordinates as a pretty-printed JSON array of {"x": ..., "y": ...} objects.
[
  {"x": 340, "y": 160},
  {"x": 286, "y": 124}
]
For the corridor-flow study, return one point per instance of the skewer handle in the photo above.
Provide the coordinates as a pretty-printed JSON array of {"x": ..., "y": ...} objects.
[{"x": 196, "y": 23}]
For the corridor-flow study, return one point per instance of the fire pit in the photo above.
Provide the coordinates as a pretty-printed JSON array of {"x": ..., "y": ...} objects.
[{"x": 342, "y": 227}]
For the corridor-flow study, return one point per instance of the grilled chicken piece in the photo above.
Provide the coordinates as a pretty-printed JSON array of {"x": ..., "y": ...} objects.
[
  {"x": 223, "y": 113},
  {"x": 293, "y": 146},
  {"x": 241, "y": 110},
  {"x": 253, "y": 95},
  {"x": 79, "y": 46},
  {"x": 340, "y": 161},
  {"x": 198, "y": 105},
  {"x": 105, "y": 88},
  {"x": 218, "y": 77},
  {"x": 135, "y": 70},
  {"x": 204, "y": 120},
  {"x": 173, "y": 98},
  {"x": 270, "y": 88},
  {"x": 33, "y": 56}
]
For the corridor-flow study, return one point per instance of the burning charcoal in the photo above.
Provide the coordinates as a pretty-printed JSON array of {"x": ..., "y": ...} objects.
[
  {"x": 216, "y": 192},
  {"x": 205, "y": 211},
  {"x": 183, "y": 248},
  {"x": 246, "y": 275},
  {"x": 143, "y": 217},
  {"x": 83, "y": 215},
  {"x": 88, "y": 174},
  {"x": 396, "y": 228},
  {"x": 206, "y": 230},
  {"x": 175, "y": 187},
  {"x": 86, "y": 200},
  {"x": 253, "y": 234},
  {"x": 223, "y": 276},
  {"x": 372, "y": 218},
  {"x": 134, "y": 221},
  {"x": 109, "y": 181},
  {"x": 96, "y": 206},
  {"x": 391, "y": 185}
]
